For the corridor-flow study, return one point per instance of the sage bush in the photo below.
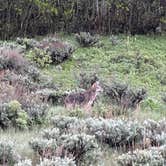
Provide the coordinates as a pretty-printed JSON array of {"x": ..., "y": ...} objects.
[{"x": 153, "y": 157}]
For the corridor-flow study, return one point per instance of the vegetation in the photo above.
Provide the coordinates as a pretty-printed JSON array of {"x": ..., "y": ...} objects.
[
  {"x": 33, "y": 89},
  {"x": 7, "y": 153},
  {"x": 100, "y": 16},
  {"x": 95, "y": 97},
  {"x": 152, "y": 156}
]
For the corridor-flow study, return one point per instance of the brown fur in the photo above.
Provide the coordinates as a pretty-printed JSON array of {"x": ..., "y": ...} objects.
[{"x": 83, "y": 99}]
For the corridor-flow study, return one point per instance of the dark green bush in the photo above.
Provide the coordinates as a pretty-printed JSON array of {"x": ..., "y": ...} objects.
[
  {"x": 124, "y": 96},
  {"x": 59, "y": 51},
  {"x": 49, "y": 50},
  {"x": 47, "y": 17}
]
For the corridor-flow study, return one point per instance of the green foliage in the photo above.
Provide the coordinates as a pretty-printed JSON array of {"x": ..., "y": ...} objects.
[
  {"x": 37, "y": 113},
  {"x": 14, "y": 106},
  {"x": 40, "y": 57},
  {"x": 152, "y": 105},
  {"x": 22, "y": 120},
  {"x": 60, "y": 51},
  {"x": 11, "y": 115},
  {"x": 27, "y": 43},
  {"x": 77, "y": 113},
  {"x": 44, "y": 17}
]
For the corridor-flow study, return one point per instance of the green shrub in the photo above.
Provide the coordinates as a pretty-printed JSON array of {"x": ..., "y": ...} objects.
[
  {"x": 40, "y": 57},
  {"x": 153, "y": 157},
  {"x": 112, "y": 132},
  {"x": 64, "y": 122},
  {"x": 27, "y": 43},
  {"x": 124, "y": 96},
  {"x": 44, "y": 147},
  {"x": 155, "y": 131},
  {"x": 115, "y": 132},
  {"x": 7, "y": 154},
  {"x": 22, "y": 120},
  {"x": 51, "y": 133},
  {"x": 50, "y": 50},
  {"x": 80, "y": 113},
  {"x": 14, "y": 106},
  {"x": 60, "y": 54},
  {"x": 82, "y": 147},
  {"x": 11, "y": 115},
  {"x": 85, "y": 39},
  {"x": 37, "y": 113}
]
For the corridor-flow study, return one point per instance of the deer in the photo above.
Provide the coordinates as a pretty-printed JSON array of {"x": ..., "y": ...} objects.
[{"x": 85, "y": 99}]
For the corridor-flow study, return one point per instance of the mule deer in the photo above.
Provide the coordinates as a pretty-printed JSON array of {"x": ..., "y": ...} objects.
[{"x": 83, "y": 99}]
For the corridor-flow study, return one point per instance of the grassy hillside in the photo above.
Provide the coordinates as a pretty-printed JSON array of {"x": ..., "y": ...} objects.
[{"x": 138, "y": 61}]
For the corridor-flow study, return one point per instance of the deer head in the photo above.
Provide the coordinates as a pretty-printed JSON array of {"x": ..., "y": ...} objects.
[{"x": 96, "y": 86}]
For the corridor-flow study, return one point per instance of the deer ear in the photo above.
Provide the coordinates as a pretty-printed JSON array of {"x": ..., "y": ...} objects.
[{"x": 94, "y": 85}]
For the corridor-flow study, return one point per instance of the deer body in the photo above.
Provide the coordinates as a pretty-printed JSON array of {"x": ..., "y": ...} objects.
[{"x": 83, "y": 99}]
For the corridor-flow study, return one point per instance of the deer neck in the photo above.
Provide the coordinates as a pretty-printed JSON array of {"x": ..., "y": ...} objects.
[{"x": 92, "y": 93}]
